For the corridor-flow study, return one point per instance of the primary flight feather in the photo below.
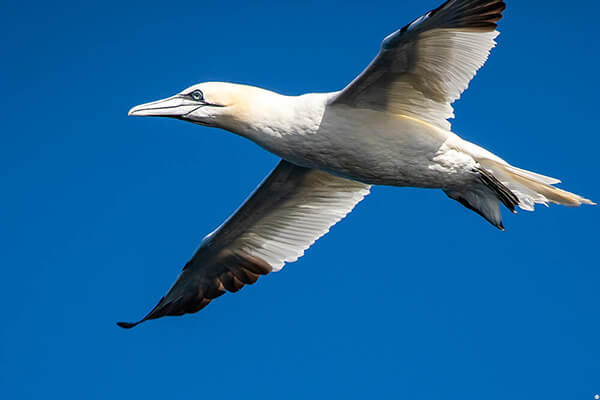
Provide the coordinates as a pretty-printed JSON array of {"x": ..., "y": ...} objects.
[{"x": 388, "y": 127}]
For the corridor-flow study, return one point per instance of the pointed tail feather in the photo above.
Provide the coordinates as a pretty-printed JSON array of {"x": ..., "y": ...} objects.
[
  {"x": 532, "y": 188},
  {"x": 503, "y": 183}
]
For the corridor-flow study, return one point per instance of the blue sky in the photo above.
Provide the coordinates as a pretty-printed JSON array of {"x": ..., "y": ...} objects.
[{"x": 411, "y": 297}]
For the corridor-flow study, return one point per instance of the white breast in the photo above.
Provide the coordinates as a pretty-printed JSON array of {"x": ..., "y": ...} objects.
[{"x": 370, "y": 146}]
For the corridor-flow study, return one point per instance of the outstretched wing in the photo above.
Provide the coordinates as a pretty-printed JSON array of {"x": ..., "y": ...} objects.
[
  {"x": 425, "y": 66},
  {"x": 288, "y": 212}
]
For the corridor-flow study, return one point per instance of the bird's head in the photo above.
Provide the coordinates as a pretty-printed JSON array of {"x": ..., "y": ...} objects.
[{"x": 214, "y": 104}]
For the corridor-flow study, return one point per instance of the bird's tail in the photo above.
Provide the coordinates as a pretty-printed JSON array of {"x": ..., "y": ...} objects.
[{"x": 513, "y": 187}]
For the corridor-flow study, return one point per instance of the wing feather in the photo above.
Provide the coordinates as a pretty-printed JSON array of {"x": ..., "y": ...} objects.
[
  {"x": 289, "y": 211},
  {"x": 424, "y": 67}
]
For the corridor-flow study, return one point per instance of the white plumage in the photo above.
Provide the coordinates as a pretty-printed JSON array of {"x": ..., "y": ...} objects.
[
  {"x": 389, "y": 126},
  {"x": 317, "y": 202}
]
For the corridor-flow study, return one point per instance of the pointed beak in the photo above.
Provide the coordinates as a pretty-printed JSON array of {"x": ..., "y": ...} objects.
[{"x": 175, "y": 107}]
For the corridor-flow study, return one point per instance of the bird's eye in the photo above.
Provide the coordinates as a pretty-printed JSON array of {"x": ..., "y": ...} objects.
[{"x": 197, "y": 95}]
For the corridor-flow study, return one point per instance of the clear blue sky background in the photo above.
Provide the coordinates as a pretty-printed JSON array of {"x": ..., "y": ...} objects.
[{"x": 411, "y": 297}]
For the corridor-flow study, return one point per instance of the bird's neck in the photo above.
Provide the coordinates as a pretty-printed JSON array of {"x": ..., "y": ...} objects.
[{"x": 267, "y": 116}]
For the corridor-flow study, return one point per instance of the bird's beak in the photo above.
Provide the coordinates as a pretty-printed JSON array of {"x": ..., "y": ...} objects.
[{"x": 175, "y": 107}]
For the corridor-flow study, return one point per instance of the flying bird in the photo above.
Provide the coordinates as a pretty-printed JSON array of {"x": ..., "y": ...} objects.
[{"x": 389, "y": 126}]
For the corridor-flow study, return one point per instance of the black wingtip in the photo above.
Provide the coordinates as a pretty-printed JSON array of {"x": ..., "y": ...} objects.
[
  {"x": 127, "y": 325},
  {"x": 151, "y": 315}
]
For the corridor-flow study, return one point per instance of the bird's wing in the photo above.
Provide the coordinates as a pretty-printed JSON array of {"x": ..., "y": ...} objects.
[
  {"x": 425, "y": 66},
  {"x": 289, "y": 211}
]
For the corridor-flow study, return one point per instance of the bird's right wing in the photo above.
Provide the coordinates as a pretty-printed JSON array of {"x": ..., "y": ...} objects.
[
  {"x": 289, "y": 211},
  {"x": 425, "y": 66}
]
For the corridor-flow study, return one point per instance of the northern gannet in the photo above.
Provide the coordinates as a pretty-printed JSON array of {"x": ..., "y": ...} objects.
[{"x": 387, "y": 127}]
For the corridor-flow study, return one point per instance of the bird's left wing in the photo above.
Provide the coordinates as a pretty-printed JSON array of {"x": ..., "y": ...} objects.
[
  {"x": 289, "y": 211},
  {"x": 425, "y": 66}
]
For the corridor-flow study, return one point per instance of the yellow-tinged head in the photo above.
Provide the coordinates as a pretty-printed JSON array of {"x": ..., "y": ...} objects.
[{"x": 218, "y": 104}]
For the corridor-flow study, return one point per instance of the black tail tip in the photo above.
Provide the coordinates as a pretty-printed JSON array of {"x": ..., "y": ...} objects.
[{"x": 127, "y": 325}]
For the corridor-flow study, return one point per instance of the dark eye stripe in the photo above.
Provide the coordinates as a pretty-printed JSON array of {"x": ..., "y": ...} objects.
[{"x": 194, "y": 96}]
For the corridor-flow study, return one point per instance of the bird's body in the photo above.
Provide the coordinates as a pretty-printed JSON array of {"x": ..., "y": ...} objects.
[
  {"x": 387, "y": 127},
  {"x": 374, "y": 147}
]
